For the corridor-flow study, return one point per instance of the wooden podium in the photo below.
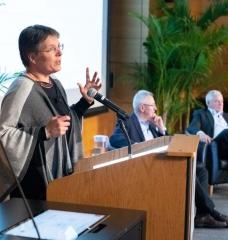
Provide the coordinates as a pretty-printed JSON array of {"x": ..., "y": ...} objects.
[{"x": 161, "y": 183}]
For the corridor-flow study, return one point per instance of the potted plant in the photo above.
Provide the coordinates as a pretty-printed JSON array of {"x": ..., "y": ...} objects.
[{"x": 181, "y": 50}]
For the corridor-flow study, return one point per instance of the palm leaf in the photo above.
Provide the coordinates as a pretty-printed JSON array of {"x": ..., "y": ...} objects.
[
  {"x": 213, "y": 12},
  {"x": 181, "y": 53}
]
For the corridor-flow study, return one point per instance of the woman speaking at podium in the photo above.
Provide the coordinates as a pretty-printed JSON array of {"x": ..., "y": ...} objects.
[{"x": 40, "y": 132}]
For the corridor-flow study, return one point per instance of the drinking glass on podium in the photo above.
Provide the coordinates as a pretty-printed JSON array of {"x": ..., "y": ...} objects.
[{"x": 101, "y": 143}]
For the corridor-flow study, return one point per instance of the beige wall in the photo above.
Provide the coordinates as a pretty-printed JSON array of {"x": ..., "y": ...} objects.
[{"x": 126, "y": 38}]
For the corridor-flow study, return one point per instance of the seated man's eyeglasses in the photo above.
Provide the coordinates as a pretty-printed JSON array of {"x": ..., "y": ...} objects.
[{"x": 151, "y": 105}]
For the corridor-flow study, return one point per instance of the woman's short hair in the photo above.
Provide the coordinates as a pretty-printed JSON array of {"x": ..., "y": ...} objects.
[
  {"x": 210, "y": 96},
  {"x": 139, "y": 98},
  {"x": 30, "y": 39}
]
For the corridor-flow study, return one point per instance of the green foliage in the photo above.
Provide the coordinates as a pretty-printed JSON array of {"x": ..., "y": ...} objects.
[{"x": 180, "y": 51}]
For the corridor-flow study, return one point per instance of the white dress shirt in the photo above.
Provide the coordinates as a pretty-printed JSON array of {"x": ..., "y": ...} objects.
[
  {"x": 145, "y": 129},
  {"x": 219, "y": 122}
]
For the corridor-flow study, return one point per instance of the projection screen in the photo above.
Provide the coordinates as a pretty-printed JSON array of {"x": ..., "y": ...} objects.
[{"x": 82, "y": 25}]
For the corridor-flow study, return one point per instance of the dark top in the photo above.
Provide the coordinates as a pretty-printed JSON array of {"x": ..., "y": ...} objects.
[{"x": 56, "y": 99}]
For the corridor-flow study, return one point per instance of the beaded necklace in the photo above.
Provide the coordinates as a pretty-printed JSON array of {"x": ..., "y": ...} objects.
[{"x": 48, "y": 84}]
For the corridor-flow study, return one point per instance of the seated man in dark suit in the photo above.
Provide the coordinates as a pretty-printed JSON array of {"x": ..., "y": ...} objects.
[
  {"x": 145, "y": 124},
  {"x": 211, "y": 124}
]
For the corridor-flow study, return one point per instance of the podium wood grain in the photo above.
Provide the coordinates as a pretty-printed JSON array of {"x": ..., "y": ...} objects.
[{"x": 154, "y": 182}]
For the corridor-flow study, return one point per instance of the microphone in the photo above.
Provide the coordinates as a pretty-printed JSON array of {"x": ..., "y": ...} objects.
[{"x": 92, "y": 92}]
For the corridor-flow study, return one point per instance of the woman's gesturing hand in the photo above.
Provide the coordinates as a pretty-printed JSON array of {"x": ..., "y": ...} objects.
[{"x": 93, "y": 83}]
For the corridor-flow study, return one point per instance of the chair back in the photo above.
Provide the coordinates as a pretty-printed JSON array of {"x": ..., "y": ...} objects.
[{"x": 217, "y": 167}]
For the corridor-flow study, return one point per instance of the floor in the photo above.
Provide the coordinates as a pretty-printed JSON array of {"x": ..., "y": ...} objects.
[{"x": 220, "y": 197}]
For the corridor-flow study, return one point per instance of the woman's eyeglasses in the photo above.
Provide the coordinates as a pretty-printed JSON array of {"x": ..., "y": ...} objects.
[{"x": 54, "y": 49}]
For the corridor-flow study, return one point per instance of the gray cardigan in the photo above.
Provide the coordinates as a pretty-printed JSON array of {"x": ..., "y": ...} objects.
[{"x": 25, "y": 110}]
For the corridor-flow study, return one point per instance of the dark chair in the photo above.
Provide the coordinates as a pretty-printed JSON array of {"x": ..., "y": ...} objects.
[
  {"x": 201, "y": 153},
  {"x": 217, "y": 167}
]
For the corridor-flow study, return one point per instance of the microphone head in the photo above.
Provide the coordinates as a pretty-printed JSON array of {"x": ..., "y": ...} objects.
[{"x": 92, "y": 92}]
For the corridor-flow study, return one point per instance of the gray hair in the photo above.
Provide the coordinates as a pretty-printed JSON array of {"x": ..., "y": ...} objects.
[
  {"x": 138, "y": 99},
  {"x": 210, "y": 96}
]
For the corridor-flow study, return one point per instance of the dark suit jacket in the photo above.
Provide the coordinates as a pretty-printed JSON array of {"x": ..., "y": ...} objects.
[
  {"x": 118, "y": 140},
  {"x": 203, "y": 120}
]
